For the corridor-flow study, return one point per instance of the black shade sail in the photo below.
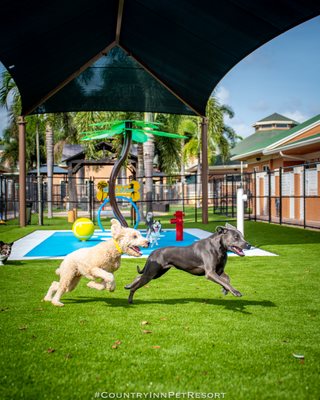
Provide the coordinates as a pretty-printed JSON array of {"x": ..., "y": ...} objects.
[{"x": 144, "y": 55}]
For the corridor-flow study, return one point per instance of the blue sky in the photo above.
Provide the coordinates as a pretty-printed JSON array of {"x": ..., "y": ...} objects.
[{"x": 282, "y": 76}]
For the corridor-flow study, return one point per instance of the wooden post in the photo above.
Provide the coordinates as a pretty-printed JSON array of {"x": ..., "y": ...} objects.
[
  {"x": 204, "y": 169},
  {"x": 22, "y": 170}
]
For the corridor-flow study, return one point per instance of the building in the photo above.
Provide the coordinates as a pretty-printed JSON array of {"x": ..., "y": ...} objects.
[
  {"x": 287, "y": 143},
  {"x": 283, "y": 158}
]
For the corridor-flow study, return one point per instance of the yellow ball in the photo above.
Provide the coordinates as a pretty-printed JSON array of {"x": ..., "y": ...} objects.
[{"x": 83, "y": 228}]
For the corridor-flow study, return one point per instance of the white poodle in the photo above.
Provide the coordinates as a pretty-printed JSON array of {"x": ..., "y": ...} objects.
[{"x": 99, "y": 261}]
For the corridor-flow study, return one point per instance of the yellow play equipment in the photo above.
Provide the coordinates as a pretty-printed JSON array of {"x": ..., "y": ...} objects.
[
  {"x": 83, "y": 229},
  {"x": 131, "y": 190}
]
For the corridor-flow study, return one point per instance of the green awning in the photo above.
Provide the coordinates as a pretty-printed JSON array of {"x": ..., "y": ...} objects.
[{"x": 144, "y": 55}]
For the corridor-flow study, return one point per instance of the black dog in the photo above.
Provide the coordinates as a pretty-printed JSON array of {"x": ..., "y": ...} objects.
[{"x": 206, "y": 257}]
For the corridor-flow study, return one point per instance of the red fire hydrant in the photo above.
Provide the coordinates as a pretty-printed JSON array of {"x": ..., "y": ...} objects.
[{"x": 178, "y": 220}]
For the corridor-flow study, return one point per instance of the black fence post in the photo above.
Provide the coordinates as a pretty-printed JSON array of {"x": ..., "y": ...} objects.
[
  {"x": 2, "y": 198},
  {"x": 213, "y": 195},
  {"x": 40, "y": 197},
  {"x": 91, "y": 199},
  {"x": 269, "y": 194},
  {"x": 304, "y": 196},
  {"x": 232, "y": 196},
  {"x": 255, "y": 195},
  {"x": 6, "y": 198},
  {"x": 280, "y": 195},
  {"x": 182, "y": 194},
  {"x": 227, "y": 197},
  {"x": 248, "y": 180}
]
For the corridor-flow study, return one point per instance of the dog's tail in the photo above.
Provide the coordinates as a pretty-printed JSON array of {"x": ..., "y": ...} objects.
[
  {"x": 140, "y": 271},
  {"x": 58, "y": 270}
]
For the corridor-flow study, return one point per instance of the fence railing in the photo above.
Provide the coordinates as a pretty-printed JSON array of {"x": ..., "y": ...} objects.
[{"x": 288, "y": 195}]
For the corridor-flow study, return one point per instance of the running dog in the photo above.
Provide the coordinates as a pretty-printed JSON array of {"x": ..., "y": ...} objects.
[
  {"x": 207, "y": 257},
  {"x": 99, "y": 261}
]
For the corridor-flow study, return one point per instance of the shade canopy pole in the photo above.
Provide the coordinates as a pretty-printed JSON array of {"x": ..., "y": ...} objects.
[
  {"x": 115, "y": 171},
  {"x": 22, "y": 170},
  {"x": 204, "y": 169}
]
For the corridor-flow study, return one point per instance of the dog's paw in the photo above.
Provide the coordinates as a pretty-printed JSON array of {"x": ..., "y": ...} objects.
[
  {"x": 111, "y": 286},
  {"x": 225, "y": 291},
  {"x": 57, "y": 303},
  {"x": 236, "y": 293},
  {"x": 46, "y": 298}
]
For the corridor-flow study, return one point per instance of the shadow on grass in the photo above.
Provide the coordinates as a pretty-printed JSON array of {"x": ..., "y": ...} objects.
[{"x": 235, "y": 305}]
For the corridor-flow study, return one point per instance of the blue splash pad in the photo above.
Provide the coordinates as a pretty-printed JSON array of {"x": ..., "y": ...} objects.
[{"x": 59, "y": 244}]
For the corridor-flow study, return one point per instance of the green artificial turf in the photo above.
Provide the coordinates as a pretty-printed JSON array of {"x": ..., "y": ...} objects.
[{"x": 198, "y": 341}]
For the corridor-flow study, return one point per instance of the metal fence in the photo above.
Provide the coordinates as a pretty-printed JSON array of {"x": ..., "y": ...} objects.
[
  {"x": 168, "y": 194},
  {"x": 289, "y": 195}
]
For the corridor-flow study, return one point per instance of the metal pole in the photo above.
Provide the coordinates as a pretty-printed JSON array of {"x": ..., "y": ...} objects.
[
  {"x": 182, "y": 184},
  {"x": 269, "y": 195},
  {"x": 233, "y": 194},
  {"x": 22, "y": 170},
  {"x": 240, "y": 210},
  {"x": 255, "y": 195},
  {"x": 241, "y": 170},
  {"x": 204, "y": 169},
  {"x": 227, "y": 196},
  {"x": 40, "y": 213},
  {"x": 280, "y": 195},
  {"x": 304, "y": 196}
]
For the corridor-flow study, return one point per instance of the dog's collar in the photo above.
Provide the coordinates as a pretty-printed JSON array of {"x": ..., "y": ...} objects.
[{"x": 117, "y": 246}]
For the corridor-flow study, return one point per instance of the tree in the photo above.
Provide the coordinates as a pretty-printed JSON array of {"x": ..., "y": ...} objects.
[
  {"x": 59, "y": 125},
  {"x": 221, "y": 138},
  {"x": 167, "y": 150}
]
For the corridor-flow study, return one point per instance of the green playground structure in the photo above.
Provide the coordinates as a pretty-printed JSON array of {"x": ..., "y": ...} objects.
[{"x": 132, "y": 131}]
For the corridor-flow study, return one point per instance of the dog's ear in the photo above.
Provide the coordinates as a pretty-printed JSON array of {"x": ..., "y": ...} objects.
[
  {"x": 221, "y": 229},
  {"x": 229, "y": 226},
  {"x": 11, "y": 244},
  {"x": 115, "y": 227}
]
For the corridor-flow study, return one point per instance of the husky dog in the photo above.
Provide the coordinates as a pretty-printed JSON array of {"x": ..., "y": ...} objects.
[
  {"x": 155, "y": 233},
  {"x": 149, "y": 223},
  {"x": 5, "y": 251}
]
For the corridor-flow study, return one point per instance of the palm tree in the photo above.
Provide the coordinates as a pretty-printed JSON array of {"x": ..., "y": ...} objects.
[
  {"x": 57, "y": 126},
  {"x": 221, "y": 138},
  {"x": 168, "y": 150}
]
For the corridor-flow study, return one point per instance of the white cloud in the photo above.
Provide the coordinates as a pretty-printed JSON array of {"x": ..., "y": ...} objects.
[
  {"x": 222, "y": 94},
  {"x": 296, "y": 115},
  {"x": 241, "y": 128}
]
